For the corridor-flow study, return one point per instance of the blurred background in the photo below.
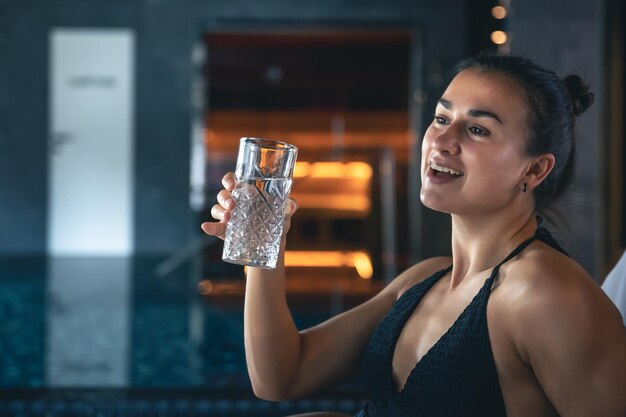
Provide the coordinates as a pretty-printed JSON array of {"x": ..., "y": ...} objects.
[{"x": 118, "y": 120}]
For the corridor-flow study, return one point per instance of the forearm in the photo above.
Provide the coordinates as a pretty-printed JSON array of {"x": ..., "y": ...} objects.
[{"x": 272, "y": 341}]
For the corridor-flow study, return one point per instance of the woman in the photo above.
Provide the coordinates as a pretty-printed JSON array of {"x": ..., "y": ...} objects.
[{"x": 510, "y": 325}]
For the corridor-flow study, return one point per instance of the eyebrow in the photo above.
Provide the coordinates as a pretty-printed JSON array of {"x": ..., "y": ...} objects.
[{"x": 472, "y": 112}]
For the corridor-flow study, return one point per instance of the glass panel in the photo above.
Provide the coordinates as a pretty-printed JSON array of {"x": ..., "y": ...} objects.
[{"x": 342, "y": 98}]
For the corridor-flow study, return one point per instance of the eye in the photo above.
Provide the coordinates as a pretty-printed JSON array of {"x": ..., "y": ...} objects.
[
  {"x": 440, "y": 120},
  {"x": 478, "y": 131}
]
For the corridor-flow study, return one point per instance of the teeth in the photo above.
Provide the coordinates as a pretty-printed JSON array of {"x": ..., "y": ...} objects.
[{"x": 445, "y": 169}]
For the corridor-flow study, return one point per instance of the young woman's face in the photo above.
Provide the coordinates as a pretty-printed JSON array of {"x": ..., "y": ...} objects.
[{"x": 477, "y": 136}]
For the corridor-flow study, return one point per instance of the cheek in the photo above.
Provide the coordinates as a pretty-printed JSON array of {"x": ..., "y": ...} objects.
[{"x": 499, "y": 170}]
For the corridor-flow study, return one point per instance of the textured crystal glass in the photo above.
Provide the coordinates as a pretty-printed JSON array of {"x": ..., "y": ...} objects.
[{"x": 263, "y": 181}]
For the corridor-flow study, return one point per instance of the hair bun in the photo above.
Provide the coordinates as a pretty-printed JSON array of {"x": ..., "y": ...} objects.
[{"x": 579, "y": 92}]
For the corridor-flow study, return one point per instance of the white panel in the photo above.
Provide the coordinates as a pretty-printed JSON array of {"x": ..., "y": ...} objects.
[{"x": 91, "y": 142}]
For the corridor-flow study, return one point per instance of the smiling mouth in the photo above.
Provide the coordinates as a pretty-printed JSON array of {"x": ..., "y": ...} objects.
[{"x": 441, "y": 171}]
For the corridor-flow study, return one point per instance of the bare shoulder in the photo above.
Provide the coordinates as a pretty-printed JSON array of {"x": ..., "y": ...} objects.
[
  {"x": 566, "y": 330},
  {"x": 547, "y": 279},
  {"x": 545, "y": 290},
  {"x": 418, "y": 273}
]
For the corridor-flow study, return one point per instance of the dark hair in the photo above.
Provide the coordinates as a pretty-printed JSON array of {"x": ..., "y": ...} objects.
[{"x": 553, "y": 105}]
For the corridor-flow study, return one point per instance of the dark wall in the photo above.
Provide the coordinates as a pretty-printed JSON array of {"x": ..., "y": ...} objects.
[
  {"x": 24, "y": 117},
  {"x": 5, "y": 169},
  {"x": 166, "y": 33},
  {"x": 23, "y": 158},
  {"x": 568, "y": 36}
]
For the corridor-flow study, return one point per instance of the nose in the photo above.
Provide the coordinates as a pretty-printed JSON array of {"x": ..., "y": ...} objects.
[{"x": 447, "y": 140}]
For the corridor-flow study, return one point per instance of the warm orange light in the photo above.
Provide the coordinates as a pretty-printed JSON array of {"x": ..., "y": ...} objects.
[
  {"x": 363, "y": 265},
  {"x": 359, "y": 170},
  {"x": 325, "y": 259},
  {"x": 327, "y": 170},
  {"x": 331, "y": 259},
  {"x": 351, "y": 202},
  {"x": 498, "y": 12},
  {"x": 302, "y": 169},
  {"x": 499, "y": 37},
  {"x": 333, "y": 186}
]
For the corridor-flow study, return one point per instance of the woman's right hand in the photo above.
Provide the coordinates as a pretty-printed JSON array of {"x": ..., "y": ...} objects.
[
  {"x": 222, "y": 210},
  {"x": 225, "y": 204}
]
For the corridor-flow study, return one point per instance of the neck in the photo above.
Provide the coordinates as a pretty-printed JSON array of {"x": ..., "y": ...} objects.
[{"x": 479, "y": 244}]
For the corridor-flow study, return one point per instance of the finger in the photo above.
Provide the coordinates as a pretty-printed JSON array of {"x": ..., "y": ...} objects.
[
  {"x": 216, "y": 229},
  {"x": 224, "y": 197},
  {"x": 287, "y": 225},
  {"x": 220, "y": 213},
  {"x": 292, "y": 207},
  {"x": 229, "y": 181}
]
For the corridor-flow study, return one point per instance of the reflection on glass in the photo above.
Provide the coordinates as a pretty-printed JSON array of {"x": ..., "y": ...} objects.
[{"x": 88, "y": 319}]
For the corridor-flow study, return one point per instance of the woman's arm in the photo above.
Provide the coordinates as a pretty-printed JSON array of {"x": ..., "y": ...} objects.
[{"x": 284, "y": 362}]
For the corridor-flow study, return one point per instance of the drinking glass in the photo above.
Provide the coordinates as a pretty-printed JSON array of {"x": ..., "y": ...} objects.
[{"x": 263, "y": 181}]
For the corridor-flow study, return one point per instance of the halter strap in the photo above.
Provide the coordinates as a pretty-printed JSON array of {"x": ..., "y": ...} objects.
[
  {"x": 513, "y": 254},
  {"x": 517, "y": 250},
  {"x": 542, "y": 235}
]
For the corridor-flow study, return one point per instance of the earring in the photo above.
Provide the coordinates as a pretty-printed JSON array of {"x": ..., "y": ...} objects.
[{"x": 525, "y": 187}]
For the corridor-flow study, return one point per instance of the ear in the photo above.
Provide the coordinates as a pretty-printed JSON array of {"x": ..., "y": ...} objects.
[{"x": 539, "y": 169}]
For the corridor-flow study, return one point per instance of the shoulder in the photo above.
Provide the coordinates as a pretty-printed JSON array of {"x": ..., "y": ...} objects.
[
  {"x": 418, "y": 273},
  {"x": 566, "y": 330},
  {"x": 547, "y": 280},
  {"x": 549, "y": 298}
]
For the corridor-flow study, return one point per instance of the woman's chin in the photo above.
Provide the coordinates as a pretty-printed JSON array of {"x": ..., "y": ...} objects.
[{"x": 436, "y": 203}]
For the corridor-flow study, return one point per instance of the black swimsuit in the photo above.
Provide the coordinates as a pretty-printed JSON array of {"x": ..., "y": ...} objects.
[{"x": 457, "y": 377}]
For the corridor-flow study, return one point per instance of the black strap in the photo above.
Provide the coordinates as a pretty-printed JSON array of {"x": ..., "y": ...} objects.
[
  {"x": 543, "y": 235},
  {"x": 496, "y": 269},
  {"x": 517, "y": 250},
  {"x": 540, "y": 234}
]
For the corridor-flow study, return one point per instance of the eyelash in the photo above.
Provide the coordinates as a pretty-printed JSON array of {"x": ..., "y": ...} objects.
[{"x": 473, "y": 130}]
